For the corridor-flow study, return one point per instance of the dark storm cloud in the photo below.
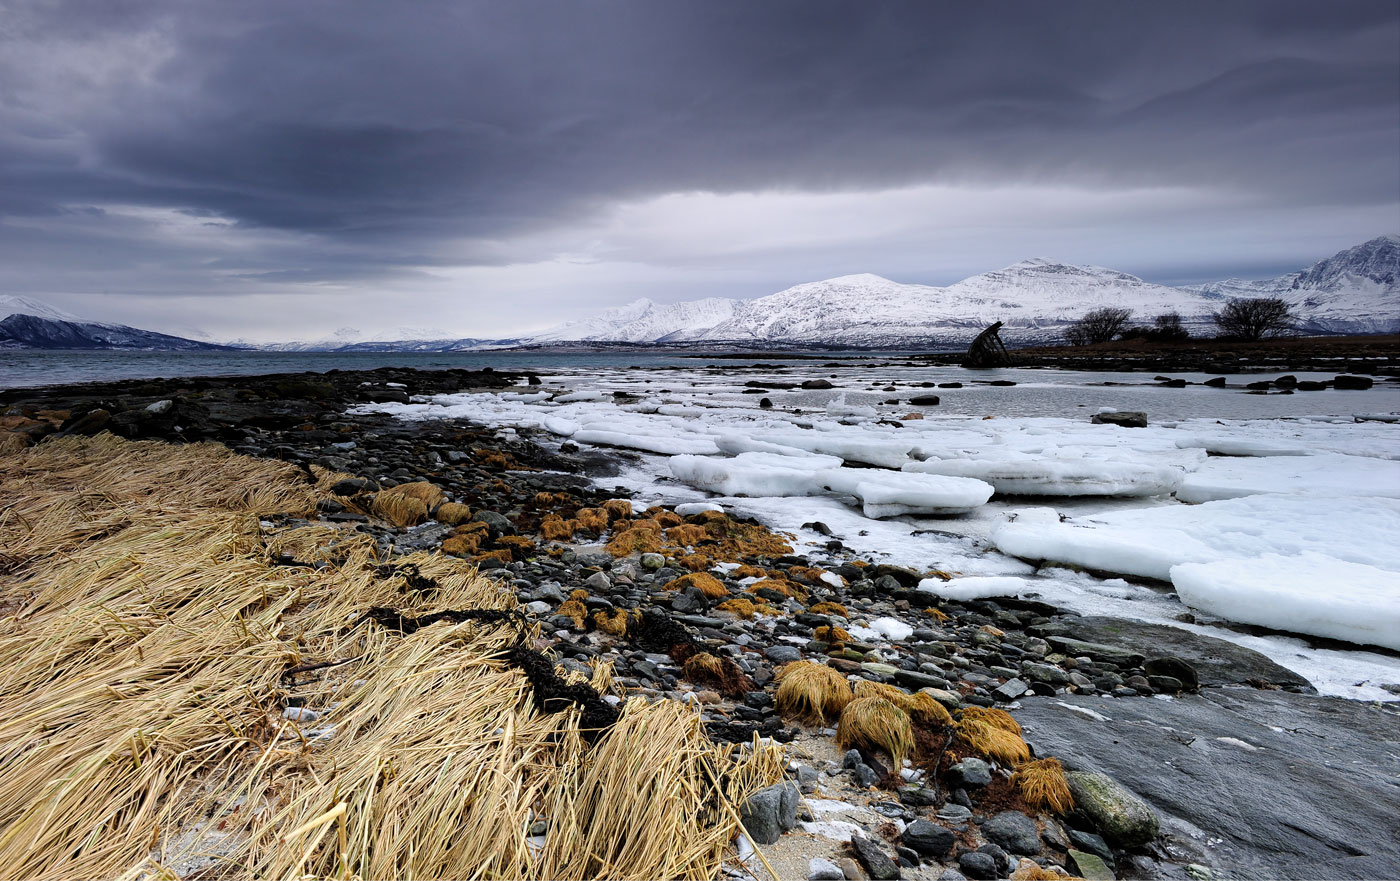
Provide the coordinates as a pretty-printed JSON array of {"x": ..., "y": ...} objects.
[{"x": 448, "y": 128}]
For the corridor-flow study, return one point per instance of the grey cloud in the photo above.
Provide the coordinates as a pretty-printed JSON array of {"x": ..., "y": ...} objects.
[{"x": 439, "y": 132}]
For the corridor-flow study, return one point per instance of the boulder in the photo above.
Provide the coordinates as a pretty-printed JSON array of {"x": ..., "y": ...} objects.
[
  {"x": 1121, "y": 418},
  {"x": 1121, "y": 816}
]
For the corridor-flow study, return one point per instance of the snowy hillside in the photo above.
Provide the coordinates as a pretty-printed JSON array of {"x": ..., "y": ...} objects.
[
  {"x": 1354, "y": 291},
  {"x": 644, "y": 321}
]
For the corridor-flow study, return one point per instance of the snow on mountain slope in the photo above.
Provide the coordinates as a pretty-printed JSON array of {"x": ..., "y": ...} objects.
[
  {"x": 644, "y": 321},
  {"x": 1031, "y": 297},
  {"x": 10, "y": 305},
  {"x": 1353, "y": 291}
]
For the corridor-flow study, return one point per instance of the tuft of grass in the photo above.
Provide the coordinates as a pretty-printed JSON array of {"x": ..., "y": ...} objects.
[
  {"x": 829, "y": 608},
  {"x": 813, "y": 694},
  {"x": 595, "y": 519},
  {"x": 831, "y": 634},
  {"x": 922, "y": 709},
  {"x": 709, "y": 585},
  {"x": 992, "y": 716},
  {"x": 875, "y": 723},
  {"x": 614, "y": 624},
  {"x": 617, "y": 509},
  {"x": 452, "y": 513},
  {"x": 996, "y": 743},
  {"x": 555, "y": 528},
  {"x": 1043, "y": 786}
]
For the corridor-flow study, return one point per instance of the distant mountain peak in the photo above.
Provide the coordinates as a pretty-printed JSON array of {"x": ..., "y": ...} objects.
[{"x": 11, "y": 305}]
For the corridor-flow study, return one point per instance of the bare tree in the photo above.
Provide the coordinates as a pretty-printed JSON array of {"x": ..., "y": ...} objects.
[
  {"x": 1098, "y": 326},
  {"x": 1254, "y": 318},
  {"x": 1167, "y": 327}
]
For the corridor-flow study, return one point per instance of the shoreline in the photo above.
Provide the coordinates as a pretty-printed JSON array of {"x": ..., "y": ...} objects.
[{"x": 969, "y": 654}]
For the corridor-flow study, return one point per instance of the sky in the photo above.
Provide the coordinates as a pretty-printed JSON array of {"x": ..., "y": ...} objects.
[{"x": 277, "y": 170}]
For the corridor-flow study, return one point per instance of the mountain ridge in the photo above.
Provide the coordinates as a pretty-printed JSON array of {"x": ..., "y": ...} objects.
[{"x": 1356, "y": 290}]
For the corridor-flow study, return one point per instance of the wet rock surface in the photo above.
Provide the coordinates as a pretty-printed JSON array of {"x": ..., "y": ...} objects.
[{"x": 1255, "y": 783}]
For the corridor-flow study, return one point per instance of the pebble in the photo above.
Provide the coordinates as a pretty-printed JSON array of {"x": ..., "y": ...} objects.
[{"x": 819, "y": 869}]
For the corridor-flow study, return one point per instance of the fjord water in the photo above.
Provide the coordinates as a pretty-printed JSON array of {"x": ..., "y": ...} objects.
[{"x": 1038, "y": 392}]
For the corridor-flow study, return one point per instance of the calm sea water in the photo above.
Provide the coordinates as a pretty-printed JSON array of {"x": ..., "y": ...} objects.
[{"x": 1037, "y": 393}]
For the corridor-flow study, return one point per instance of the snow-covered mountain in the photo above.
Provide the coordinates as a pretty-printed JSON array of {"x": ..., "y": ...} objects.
[
  {"x": 31, "y": 324},
  {"x": 1354, "y": 291},
  {"x": 644, "y": 321}
]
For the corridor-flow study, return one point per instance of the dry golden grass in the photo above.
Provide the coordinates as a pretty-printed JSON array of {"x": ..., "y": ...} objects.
[
  {"x": 1043, "y": 786},
  {"x": 709, "y": 585},
  {"x": 637, "y": 540},
  {"x": 141, "y": 731},
  {"x": 12, "y": 441},
  {"x": 829, "y": 609},
  {"x": 992, "y": 716},
  {"x": 813, "y": 694},
  {"x": 452, "y": 513},
  {"x": 783, "y": 587},
  {"x": 996, "y": 743},
  {"x": 687, "y": 535},
  {"x": 595, "y": 519},
  {"x": 398, "y": 510},
  {"x": 937, "y": 614},
  {"x": 875, "y": 723},
  {"x": 694, "y": 562},
  {"x": 614, "y": 623},
  {"x": 555, "y": 528},
  {"x": 617, "y": 509},
  {"x": 831, "y": 634},
  {"x": 921, "y": 708}
]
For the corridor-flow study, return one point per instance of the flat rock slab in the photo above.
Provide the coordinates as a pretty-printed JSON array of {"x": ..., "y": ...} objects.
[
  {"x": 1215, "y": 661},
  {"x": 1294, "y": 785}
]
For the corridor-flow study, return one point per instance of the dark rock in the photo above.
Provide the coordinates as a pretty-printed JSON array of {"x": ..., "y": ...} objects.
[
  {"x": 498, "y": 523},
  {"x": 352, "y": 486},
  {"x": 817, "y": 384},
  {"x": 763, "y": 814},
  {"x": 971, "y": 772},
  {"x": 908, "y": 857},
  {"x": 929, "y": 838},
  {"x": 1092, "y": 843},
  {"x": 1175, "y": 668},
  {"x": 1013, "y": 831},
  {"x": 782, "y": 654},
  {"x": 874, "y": 859},
  {"x": 1215, "y": 661},
  {"x": 1010, "y": 690},
  {"x": 1288, "y": 380},
  {"x": 1165, "y": 684},
  {"x": 765, "y": 403},
  {"x": 916, "y": 680},
  {"x": 1122, "y": 418},
  {"x": 918, "y": 796},
  {"x": 1353, "y": 383},
  {"x": 1309, "y": 385},
  {"x": 924, "y": 401},
  {"x": 1215, "y": 382},
  {"x": 980, "y": 866},
  {"x": 864, "y": 776}
]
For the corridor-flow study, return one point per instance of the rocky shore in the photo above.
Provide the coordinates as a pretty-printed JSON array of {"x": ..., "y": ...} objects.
[{"x": 1156, "y": 726}]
